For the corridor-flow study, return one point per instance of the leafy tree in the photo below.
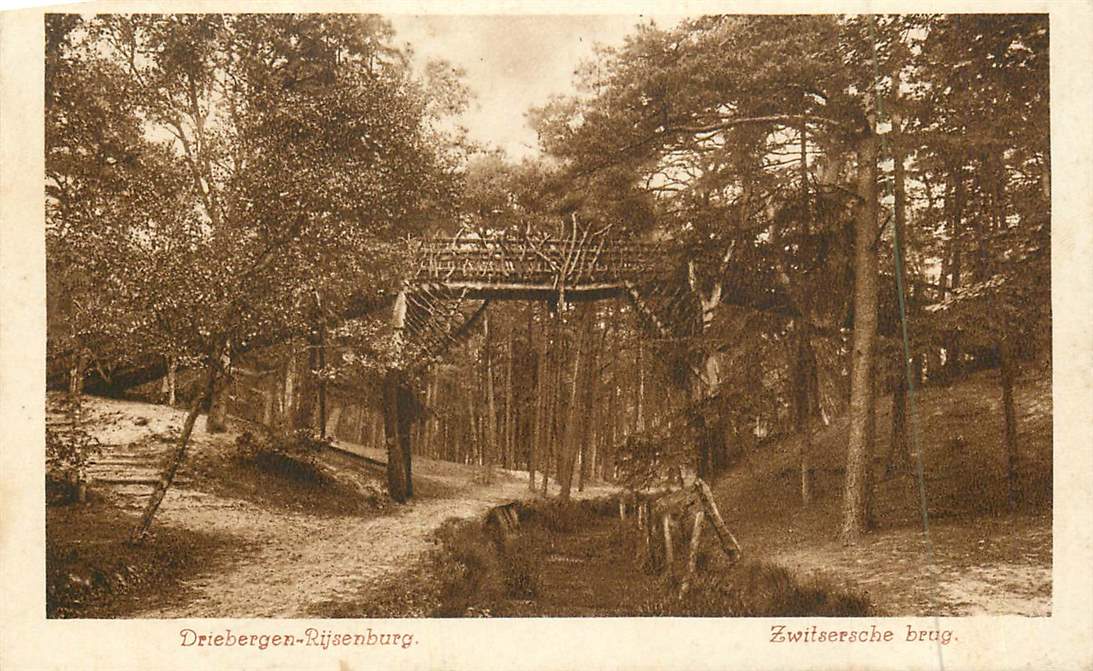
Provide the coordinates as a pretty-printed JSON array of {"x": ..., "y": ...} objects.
[{"x": 306, "y": 146}]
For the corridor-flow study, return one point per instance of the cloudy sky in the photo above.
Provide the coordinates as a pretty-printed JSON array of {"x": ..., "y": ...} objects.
[{"x": 513, "y": 62}]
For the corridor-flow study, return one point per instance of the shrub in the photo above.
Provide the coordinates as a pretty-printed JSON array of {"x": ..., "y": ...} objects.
[
  {"x": 520, "y": 567},
  {"x": 467, "y": 568},
  {"x": 292, "y": 455},
  {"x": 759, "y": 589},
  {"x": 561, "y": 516},
  {"x": 68, "y": 453}
]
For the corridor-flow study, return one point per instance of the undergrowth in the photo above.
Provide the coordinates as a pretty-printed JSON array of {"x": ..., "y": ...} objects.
[
  {"x": 477, "y": 571},
  {"x": 92, "y": 570},
  {"x": 291, "y": 455}
]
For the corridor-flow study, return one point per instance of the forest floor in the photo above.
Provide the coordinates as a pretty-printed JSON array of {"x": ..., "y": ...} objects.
[
  {"x": 233, "y": 541},
  {"x": 980, "y": 556}
]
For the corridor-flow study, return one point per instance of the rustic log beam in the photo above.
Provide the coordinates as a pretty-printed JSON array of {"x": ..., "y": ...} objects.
[
  {"x": 728, "y": 541},
  {"x": 692, "y": 556}
]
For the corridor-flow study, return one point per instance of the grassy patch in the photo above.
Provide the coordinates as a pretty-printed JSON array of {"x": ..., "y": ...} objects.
[
  {"x": 92, "y": 572},
  {"x": 760, "y": 589},
  {"x": 287, "y": 480}
]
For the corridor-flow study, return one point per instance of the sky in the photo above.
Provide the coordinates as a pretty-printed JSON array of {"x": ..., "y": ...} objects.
[{"x": 512, "y": 63}]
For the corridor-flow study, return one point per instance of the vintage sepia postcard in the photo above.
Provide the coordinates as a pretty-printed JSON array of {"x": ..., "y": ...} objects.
[{"x": 352, "y": 335}]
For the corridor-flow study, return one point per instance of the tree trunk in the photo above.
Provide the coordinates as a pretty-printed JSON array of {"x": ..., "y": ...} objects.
[
  {"x": 172, "y": 381},
  {"x": 899, "y": 446},
  {"x": 330, "y": 429},
  {"x": 540, "y": 410},
  {"x": 586, "y": 409},
  {"x": 217, "y": 419},
  {"x": 1009, "y": 412},
  {"x": 392, "y": 422},
  {"x": 308, "y": 394},
  {"x": 571, "y": 432},
  {"x": 405, "y": 424},
  {"x": 510, "y": 438},
  {"x": 953, "y": 349},
  {"x": 612, "y": 421},
  {"x": 490, "y": 445},
  {"x": 321, "y": 361},
  {"x": 863, "y": 356},
  {"x": 803, "y": 404},
  {"x": 640, "y": 420},
  {"x": 179, "y": 455},
  {"x": 428, "y": 435},
  {"x": 288, "y": 391},
  {"x": 76, "y": 379}
]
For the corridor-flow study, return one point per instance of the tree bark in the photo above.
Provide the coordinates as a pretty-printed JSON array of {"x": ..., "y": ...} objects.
[
  {"x": 330, "y": 429},
  {"x": 571, "y": 433},
  {"x": 587, "y": 408},
  {"x": 953, "y": 349},
  {"x": 863, "y": 355},
  {"x": 490, "y": 445},
  {"x": 1009, "y": 412},
  {"x": 899, "y": 444},
  {"x": 216, "y": 420},
  {"x": 428, "y": 435},
  {"x": 321, "y": 361},
  {"x": 510, "y": 438},
  {"x": 308, "y": 393},
  {"x": 405, "y": 424},
  {"x": 540, "y": 409},
  {"x": 288, "y": 391},
  {"x": 803, "y": 404},
  {"x": 397, "y": 486},
  {"x": 640, "y": 419}
]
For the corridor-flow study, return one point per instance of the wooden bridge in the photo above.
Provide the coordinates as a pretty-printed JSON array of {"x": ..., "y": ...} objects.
[{"x": 454, "y": 280}]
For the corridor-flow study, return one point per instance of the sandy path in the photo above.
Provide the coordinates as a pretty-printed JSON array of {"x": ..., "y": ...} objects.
[
  {"x": 296, "y": 561},
  {"x": 287, "y": 562}
]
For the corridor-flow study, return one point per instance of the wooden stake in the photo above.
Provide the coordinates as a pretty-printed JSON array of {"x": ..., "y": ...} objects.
[
  {"x": 728, "y": 541},
  {"x": 692, "y": 557},
  {"x": 669, "y": 557}
]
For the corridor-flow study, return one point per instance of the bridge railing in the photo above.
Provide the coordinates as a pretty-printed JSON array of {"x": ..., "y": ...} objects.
[{"x": 536, "y": 262}]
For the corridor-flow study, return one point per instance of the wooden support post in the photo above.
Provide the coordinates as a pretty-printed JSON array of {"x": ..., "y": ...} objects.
[
  {"x": 692, "y": 557},
  {"x": 669, "y": 554},
  {"x": 728, "y": 541}
]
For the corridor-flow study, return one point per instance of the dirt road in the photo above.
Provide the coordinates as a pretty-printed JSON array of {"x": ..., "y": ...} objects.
[
  {"x": 295, "y": 561},
  {"x": 286, "y": 560}
]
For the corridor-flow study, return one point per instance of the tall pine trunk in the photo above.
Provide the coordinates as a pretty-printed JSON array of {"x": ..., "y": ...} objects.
[
  {"x": 538, "y": 431},
  {"x": 510, "y": 438},
  {"x": 571, "y": 431},
  {"x": 802, "y": 405},
  {"x": 899, "y": 449},
  {"x": 490, "y": 444},
  {"x": 1009, "y": 413},
  {"x": 587, "y": 412},
  {"x": 855, "y": 512},
  {"x": 393, "y": 423}
]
